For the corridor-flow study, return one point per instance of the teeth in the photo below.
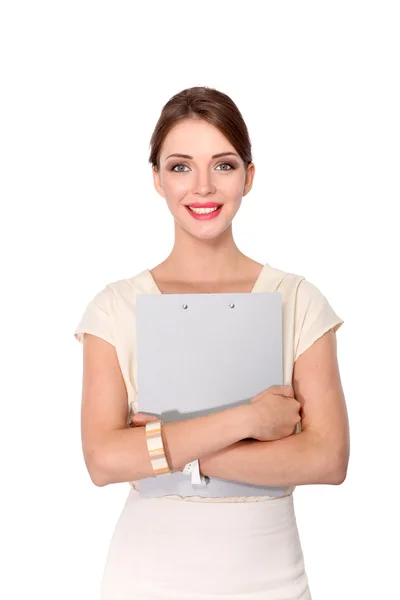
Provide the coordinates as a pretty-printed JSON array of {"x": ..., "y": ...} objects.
[{"x": 203, "y": 211}]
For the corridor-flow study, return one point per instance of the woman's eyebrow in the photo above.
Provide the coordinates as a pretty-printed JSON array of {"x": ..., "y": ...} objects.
[{"x": 214, "y": 155}]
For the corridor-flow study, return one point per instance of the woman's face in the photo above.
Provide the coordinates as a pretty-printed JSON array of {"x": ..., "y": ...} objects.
[{"x": 200, "y": 179}]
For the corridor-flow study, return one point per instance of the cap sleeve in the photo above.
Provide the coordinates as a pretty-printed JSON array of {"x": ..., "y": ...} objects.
[
  {"x": 314, "y": 317},
  {"x": 97, "y": 318}
]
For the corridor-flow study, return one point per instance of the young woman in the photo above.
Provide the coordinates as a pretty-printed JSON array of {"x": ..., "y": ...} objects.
[{"x": 177, "y": 547}]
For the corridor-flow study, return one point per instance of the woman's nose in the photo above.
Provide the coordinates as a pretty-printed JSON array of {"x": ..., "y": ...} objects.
[{"x": 204, "y": 184}]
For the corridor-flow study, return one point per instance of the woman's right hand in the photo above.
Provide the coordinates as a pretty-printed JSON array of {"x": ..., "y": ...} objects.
[{"x": 274, "y": 413}]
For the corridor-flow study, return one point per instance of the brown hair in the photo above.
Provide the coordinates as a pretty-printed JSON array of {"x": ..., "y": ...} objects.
[{"x": 210, "y": 105}]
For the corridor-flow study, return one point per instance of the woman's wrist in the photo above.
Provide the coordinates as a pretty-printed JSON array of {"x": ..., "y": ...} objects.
[{"x": 244, "y": 420}]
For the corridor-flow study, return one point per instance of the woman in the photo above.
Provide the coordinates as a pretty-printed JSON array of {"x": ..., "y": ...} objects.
[{"x": 177, "y": 547}]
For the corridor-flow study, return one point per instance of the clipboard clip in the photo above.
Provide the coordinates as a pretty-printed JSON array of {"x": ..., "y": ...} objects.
[{"x": 192, "y": 468}]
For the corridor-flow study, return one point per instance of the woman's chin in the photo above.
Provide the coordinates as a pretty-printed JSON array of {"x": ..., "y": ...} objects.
[{"x": 207, "y": 233}]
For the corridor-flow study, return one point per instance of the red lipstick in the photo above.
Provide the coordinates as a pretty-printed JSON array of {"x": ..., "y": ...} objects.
[
  {"x": 204, "y": 204},
  {"x": 204, "y": 216}
]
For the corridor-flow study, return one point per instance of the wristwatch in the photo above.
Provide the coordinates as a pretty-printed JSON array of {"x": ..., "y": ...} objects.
[{"x": 192, "y": 469}]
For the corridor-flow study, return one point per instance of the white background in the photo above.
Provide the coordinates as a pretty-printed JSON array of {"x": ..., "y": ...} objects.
[{"x": 83, "y": 84}]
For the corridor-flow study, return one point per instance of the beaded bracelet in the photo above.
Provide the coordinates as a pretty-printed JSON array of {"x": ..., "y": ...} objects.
[{"x": 156, "y": 448}]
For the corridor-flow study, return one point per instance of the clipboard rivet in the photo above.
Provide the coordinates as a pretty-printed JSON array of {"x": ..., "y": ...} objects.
[
  {"x": 231, "y": 305},
  {"x": 184, "y": 305}
]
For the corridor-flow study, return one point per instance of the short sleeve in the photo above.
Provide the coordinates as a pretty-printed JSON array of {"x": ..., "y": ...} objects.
[
  {"x": 97, "y": 318},
  {"x": 314, "y": 316}
]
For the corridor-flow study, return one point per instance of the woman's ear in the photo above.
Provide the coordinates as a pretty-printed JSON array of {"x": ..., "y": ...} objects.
[
  {"x": 157, "y": 181},
  {"x": 250, "y": 172}
]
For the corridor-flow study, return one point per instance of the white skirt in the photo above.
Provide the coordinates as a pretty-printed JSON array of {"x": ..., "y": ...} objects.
[{"x": 172, "y": 549}]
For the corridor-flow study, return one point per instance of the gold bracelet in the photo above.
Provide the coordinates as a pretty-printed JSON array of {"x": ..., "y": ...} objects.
[{"x": 156, "y": 448}]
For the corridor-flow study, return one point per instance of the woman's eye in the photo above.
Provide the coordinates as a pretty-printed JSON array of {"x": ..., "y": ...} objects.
[
  {"x": 174, "y": 168},
  {"x": 178, "y": 165},
  {"x": 226, "y": 165}
]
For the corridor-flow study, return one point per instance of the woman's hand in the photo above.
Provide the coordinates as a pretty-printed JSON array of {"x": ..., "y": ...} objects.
[
  {"x": 141, "y": 419},
  {"x": 275, "y": 413}
]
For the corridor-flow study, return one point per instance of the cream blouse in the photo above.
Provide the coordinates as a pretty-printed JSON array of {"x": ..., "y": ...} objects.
[{"x": 111, "y": 313}]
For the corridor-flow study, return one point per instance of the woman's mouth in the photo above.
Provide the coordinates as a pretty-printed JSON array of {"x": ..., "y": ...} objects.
[{"x": 204, "y": 214}]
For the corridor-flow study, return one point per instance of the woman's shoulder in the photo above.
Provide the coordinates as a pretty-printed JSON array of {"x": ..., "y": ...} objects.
[
  {"x": 296, "y": 285},
  {"x": 280, "y": 280},
  {"x": 125, "y": 288}
]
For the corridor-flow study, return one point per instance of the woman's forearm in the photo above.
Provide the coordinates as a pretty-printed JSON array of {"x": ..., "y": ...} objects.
[
  {"x": 123, "y": 455},
  {"x": 299, "y": 459}
]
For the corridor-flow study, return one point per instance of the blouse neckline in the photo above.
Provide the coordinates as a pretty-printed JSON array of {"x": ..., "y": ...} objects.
[{"x": 155, "y": 289}]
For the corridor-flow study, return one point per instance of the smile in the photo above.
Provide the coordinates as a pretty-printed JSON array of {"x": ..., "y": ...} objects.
[{"x": 204, "y": 213}]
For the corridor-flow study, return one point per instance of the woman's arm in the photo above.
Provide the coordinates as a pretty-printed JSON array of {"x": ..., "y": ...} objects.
[
  {"x": 125, "y": 457},
  {"x": 299, "y": 459},
  {"x": 115, "y": 453},
  {"x": 319, "y": 453}
]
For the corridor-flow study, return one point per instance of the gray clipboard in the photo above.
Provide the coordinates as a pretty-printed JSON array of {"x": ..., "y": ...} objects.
[{"x": 202, "y": 353}]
